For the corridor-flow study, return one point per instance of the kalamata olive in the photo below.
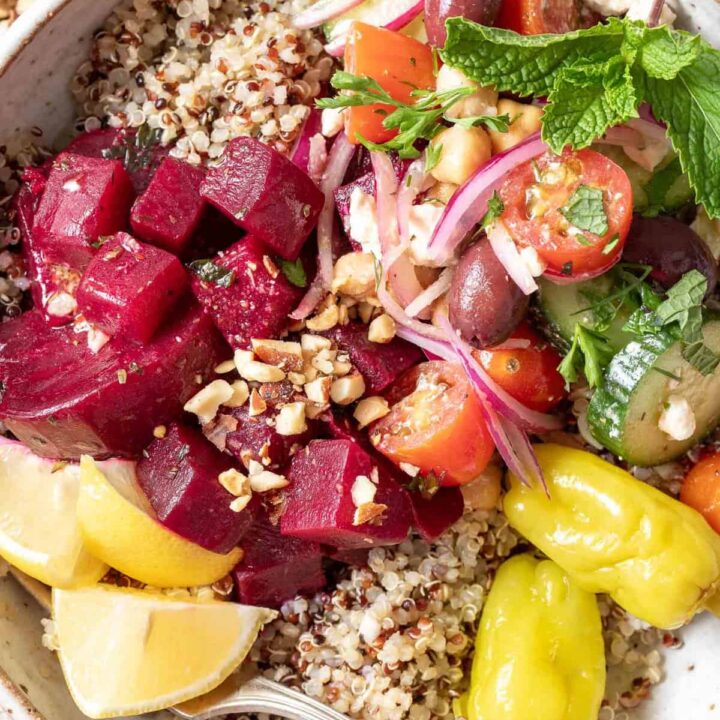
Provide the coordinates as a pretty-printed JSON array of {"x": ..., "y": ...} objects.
[
  {"x": 485, "y": 305},
  {"x": 670, "y": 248},
  {"x": 438, "y": 11}
]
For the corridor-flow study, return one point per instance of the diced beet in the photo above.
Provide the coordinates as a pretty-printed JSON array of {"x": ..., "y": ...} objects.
[
  {"x": 276, "y": 568},
  {"x": 319, "y": 504},
  {"x": 85, "y": 198},
  {"x": 266, "y": 194},
  {"x": 168, "y": 212},
  {"x": 246, "y": 301},
  {"x": 357, "y": 557},
  {"x": 179, "y": 474},
  {"x": 94, "y": 143},
  {"x": 255, "y": 439},
  {"x": 129, "y": 288},
  {"x": 380, "y": 364},
  {"x": 214, "y": 234},
  {"x": 433, "y": 516},
  {"x": 63, "y": 400}
]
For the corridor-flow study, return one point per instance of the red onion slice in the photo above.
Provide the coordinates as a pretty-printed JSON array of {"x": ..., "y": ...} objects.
[
  {"x": 300, "y": 154},
  {"x": 431, "y": 293},
  {"x": 411, "y": 186},
  {"x": 470, "y": 203},
  {"x": 322, "y": 11},
  {"x": 507, "y": 253}
]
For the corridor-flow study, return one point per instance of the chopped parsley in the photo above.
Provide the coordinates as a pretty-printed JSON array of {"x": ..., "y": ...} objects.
[{"x": 294, "y": 272}]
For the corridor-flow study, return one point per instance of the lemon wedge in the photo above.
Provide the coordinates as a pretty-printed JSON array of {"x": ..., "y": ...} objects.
[
  {"x": 39, "y": 532},
  {"x": 126, "y": 537},
  {"x": 127, "y": 652}
]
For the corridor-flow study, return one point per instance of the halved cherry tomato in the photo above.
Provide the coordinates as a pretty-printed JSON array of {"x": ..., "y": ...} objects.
[
  {"x": 535, "y": 17},
  {"x": 436, "y": 424},
  {"x": 398, "y": 62},
  {"x": 701, "y": 489},
  {"x": 527, "y": 373},
  {"x": 535, "y": 193}
]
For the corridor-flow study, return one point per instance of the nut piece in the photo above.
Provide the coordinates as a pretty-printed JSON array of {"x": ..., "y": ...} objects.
[
  {"x": 297, "y": 378},
  {"x": 242, "y": 357},
  {"x": 371, "y": 409},
  {"x": 240, "y": 503},
  {"x": 285, "y": 355},
  {"x": 225, "y": 367},
  {"x": 264, "y": 481},
  {"x": 257, "y": 405},
  {"x": 313, "y": 344},
  {"x": 354, "y": 275},
  {"x": 370, "y": 512},
  {"x": 363, "y": 491},
  {"x": 291, "y": 419},
  {"x": 318, "y": 391},
  {"x": 382, "y": 329},
  {"x": 348, "y": 389},
  {"x": 261, "y": 372},
  {"x": 324, "y": 320},
  {"x": 235, "y": 482},
  {"x": 205, "y": 403},
  {"x": 240, "y": 394},
  {"x": 323, "y": 361}
]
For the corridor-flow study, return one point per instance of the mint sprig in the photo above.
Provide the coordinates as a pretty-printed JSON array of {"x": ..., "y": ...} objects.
[
  {"x": 586, "y": 211},
  {"x": 596, "y": 78}
]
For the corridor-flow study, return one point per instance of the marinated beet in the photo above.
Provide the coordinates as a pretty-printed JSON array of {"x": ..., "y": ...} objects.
[
  {"x": 433, "y": 516},
  {"x": 95, "y": 143},
  {"x": 266, "y": 194},
  {"x": 169, "y": 211},
  {"x": 670, "y": 248},
  {"x": 379, "y": 364},
  {"x": 276, "y": 568},
  {"x": 85, "y": 198},
  {"x": 485, "y": 304},
  {"x": 319, "y": 504},
  {"x": 243, "y": 297},
  {"x": 129, "y": 288},
  {"x": 63, "y": 400},
  {"x": 214, "y": 234},
  {"x": 255, "y": 438},
  {"x": 179, "y": 474}
]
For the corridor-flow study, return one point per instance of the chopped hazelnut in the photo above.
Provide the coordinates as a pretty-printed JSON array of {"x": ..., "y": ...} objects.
[
  {"x": 363, "y": 491},
  {"x": 324, "y": 320},
  {"x": 348, "y": 389},
  {"x": 205, "y": 403},
  {"x": 354, "y": 275},
  {"x": 297, "y": 378},
  {"x": 370, "y": 409},
  {"x": 318, "y": 391},
  {"x": 264, "y": 481},
  {"x": 323, "y": 361},
  {"x": 291, "y": 419},
  {"x": 240, "y": 503},
  {"x": 159, "y": 431},
  {"x": 313, "y": 344},
  {"x": 235, "y": 482},
  {"x": 257, "y": 405},
  {"x": 261, "y": 372},
  {"x": 242, "y": 357},
  {"x": 368, "y": 513},
  {"x": 382, "y": 329},
  {"x": 225, "y": 367},
  {"x": 241, "y": 392},
  {"x": 341, "y": 368},
  {"x": 285, "y": 355},
  {"x": 365, "y": 311}
]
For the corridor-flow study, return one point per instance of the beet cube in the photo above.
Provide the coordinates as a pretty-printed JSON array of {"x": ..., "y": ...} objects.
[
  {"x": 63, "y": 400},
  {"x": 95, "y": 143},
  {"x": 214, "y": 234},
  {"x": 85, "y": 198},
  {"x": 242, "y": 296},
  {"x": 266, "y": 194},
  {"x": 319, "y": 504},
  {"x": 179, "y": 474},
  {"x": 129, "y": 288},
  {"x": 379, "y": 364},
  {"x": 276, "y": 568},
  {"x": 433, "y": 516},
  {"x": 169, "y": 211}
]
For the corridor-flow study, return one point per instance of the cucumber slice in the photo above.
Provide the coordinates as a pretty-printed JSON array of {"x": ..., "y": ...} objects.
[
  {"x": 564, "y": 306},
  {"x": 624, "y": 413}
]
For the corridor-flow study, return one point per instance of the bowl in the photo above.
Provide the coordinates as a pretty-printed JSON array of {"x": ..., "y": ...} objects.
[{"x": 38, "y": 57}]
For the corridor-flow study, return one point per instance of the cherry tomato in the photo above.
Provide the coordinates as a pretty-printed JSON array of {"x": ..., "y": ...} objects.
[
  {"x": 535, "y": 17},
  {"x": 537, "y": 192},
  {"x": 399, "y": 63},
  {"x": 527, "y": 373},
  {"x": 701, "y": 489},
  {"x": 436, "y": 424}
]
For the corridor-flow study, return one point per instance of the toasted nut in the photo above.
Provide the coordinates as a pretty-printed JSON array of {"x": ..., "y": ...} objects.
[
  {"x": 61, "y": 304},
  {"x": 264, "y": 481},
  {"x": 235, "y": 482},
  {"x": 297, "y": 378},
  {"x": 354, "y": 275},
  {"x": 371, "y": 409},
  {"x": 310, "y": 372},
  {"x": 324, "y": 320},
  {"x": 343, "y": 315},
  {"x": 242, "y": 357},
  {"x": 261, "y": 372},
  {"x": 313, "y": 411},
  {"x": 341, "y": 368},
  {"x": 347, "y": 390},
  {"x": 365, "y": 311},
  {"x": 159, "y": 431},
  {"x": 382, "y": 329},
  {"x": 240, "y": 394},
  {"x": 323, "y": 361},
  {"x": 205, "y": 403},
  {"x": 291, "y": 419},
  {"x": 225, "y": 367},
  {"x": 270, "y": 266},
  {"x": 363, "y": 491},
  {"x": 368, "y": 513},
  {"x": 318, "y": 391},
  {"x": 240, "y": 503},
  {"x": 285, "y": 355},
  {"x": 313, "y": 344},
  {"x": 525, "y": 121},
  {"x": 257, "y": 405}
]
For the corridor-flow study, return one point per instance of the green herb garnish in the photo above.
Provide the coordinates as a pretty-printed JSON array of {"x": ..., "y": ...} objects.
[
  {"x": 496, "y": 207},
  {"x": 136, "y": 153},
  {"x": 586, "y": 211},
  {"x": 294, "y": 272},
  {"x": 589, "y": 353},
  {"x": 209, "y": 272}
]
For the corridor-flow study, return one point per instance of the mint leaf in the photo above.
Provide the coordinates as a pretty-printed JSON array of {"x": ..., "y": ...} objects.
[
  {"x": 684, "y": 303},
  {"x": 294, "y": 272},
  {"x": 665, "y": 52},
  {"x": 496, "y": 208},
  {"x": 586, "y": 211},
  {"x": 690, "y": 105},
  {"x": 659, "y": 186},
  {"x": 209, "y": 272}
]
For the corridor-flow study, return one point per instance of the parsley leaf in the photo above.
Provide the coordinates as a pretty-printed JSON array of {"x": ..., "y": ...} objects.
[
  {"x": 496, "y": 207},
  {"x": 497, "y": 123},
  {"x": 586, "y": 211},
  {"x": 209, "y": 272},
  {"x": 433, "y": 153},
  {"x": 590, "y": 353},
  {"x": 294, "y": 272}
]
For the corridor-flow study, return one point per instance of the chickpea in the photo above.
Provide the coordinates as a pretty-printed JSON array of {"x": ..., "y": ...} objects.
[
  {"x": 462, "y": 152},
  {"x": 482, "y": 102},
  {"x": 442, "y": 192},
  {"x": 525, "y": 121}
]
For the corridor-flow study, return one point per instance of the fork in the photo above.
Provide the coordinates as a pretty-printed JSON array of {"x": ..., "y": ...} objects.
[{"x": 242, "y": 692}]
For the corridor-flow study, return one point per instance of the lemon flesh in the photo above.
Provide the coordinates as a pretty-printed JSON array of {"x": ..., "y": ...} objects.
[
  {"x": 39, "y": 532},
  {"x": 127, "y": 652},
  {"x": 127, "y": 538}
]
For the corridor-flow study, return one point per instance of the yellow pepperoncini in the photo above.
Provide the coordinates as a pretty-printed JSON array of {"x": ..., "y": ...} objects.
[
  {"x": 540, "y": 652},
  {"x": 613, "y": 534}
]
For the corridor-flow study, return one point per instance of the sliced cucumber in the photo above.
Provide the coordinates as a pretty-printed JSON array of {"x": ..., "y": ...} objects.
[
  {"x": 624, "y": 413},
  {"x": 564, "y": 306}
]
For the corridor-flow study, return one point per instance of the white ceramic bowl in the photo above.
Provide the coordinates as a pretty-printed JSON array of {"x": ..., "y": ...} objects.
[{"x": 38, "y": 57}]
